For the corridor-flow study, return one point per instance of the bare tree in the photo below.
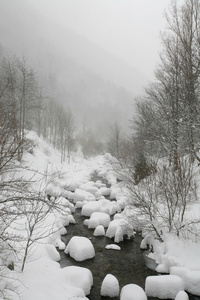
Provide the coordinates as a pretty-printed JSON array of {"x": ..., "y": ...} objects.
[
  {"x": 115, "y": 140},
  {"x": 162, "y": 199}
]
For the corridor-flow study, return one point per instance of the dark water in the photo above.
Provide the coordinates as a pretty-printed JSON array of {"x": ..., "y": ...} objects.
[{"x": 127, "y": 265}]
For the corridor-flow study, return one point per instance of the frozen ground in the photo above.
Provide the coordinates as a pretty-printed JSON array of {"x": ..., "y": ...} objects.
[{"x": 43, "y": 278}]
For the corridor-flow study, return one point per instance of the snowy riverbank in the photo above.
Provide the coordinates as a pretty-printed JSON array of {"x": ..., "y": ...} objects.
[{"x": 42, "y": 277}]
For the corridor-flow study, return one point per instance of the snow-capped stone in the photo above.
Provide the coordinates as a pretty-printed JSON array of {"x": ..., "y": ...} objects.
[
  {"x": 191, "y": 279},
  {"x": 99, "y": 231},
  {"x": 81, "y": 195},
  {"x": 98, "y": 218},
  {"x": 132, "y": 292},
  {"x": 80, "y": 248},
  {"x": 105, "y": 191},
  {"x": 113, "y": 247},
  {"x": 182, "y": 295},
  {"x": 110, "y": 286},
  {"x": 78, "y": 277},
  {"x": 118, "y": 228},
  {"x": 164, "y": 286}
]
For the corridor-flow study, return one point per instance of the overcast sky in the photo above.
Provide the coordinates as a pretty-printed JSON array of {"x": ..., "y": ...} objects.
[{"x": 129, "y": 29}]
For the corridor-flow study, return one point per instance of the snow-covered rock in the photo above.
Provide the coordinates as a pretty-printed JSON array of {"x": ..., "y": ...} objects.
[
  {"x": 89, "y": 187},
  {"x": 118, "y": 228},
  {"x": 99, "y": 184},
  {"x": 78, "y": 277},
  {"x": 102, "y": 205},
  {"x": 99, "y": 231},
  {"x": 110, "y": 286},
  {"x": 98, "y": 218},
  {"x": 132, "y": 292},
  {"x": 81, "y": 195},
  {"x": 105, "y": 191},
  {"x": 80, "y": 248},
  {"x": 113, "y": 247},
  {"x": 164, "y": 286},
  {"x": 182, "y": 295},
  {"x": 190, "y": 278}
]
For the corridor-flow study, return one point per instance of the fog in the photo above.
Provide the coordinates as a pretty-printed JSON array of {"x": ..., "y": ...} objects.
[{"x": 100, "y": 53}]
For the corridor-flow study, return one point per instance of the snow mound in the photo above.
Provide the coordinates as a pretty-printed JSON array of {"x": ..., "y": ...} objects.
[
  {"x": 190, "y": 278},
  {"x": 99, "y": 231},
  {"x": 81, "y": 195},
  {"x": 80, "y": 248},
  {"x": 105, "y": 191},
  {"x": 89, "y": 187},
  {"x": 102, "y": 205},
  {"x": 132, "y": 292},
  {"x": 99, "y": 184},
  {"x": 78, "y": 277},
  {"x": 113, "y": 247},
  {"x": 110, "y": 286},
  {"x": 182, "y": 295},
  {"x": 98, "y": 218},
  {"x": 164, "y": 286},
  {"x": 118, "y": 228}
]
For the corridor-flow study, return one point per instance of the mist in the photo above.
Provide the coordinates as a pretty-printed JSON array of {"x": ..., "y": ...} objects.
[{"x": 92, "y": 56}]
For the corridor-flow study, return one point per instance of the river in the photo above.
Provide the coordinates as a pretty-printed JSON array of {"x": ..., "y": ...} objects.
[{"x": 129, "y": 265}]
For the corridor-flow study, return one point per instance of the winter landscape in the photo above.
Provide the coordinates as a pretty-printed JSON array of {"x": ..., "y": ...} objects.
[{"x": 99, "y": 163}]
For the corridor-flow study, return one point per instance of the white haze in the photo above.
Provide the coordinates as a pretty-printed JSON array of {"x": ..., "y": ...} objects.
[
  {"x": 99, "y": 54},
  {"x": 129, "y": 29}
]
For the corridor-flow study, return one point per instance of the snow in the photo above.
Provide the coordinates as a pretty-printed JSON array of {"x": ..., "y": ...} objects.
[
  {"x": 132, "y": 292},
  {"x": 105, "y": 191},
  {"x": 89, "y": 187},
  {"x": 102, "y": 205},
  {"x": 182, "y": 295},
  {"x": 113, "y": 247},
  {"x": 98, "y": 218},
  {"x": 43, "y": 278},
  {"x": 99, "y": 231},
  {"x": 99, "y": 184},
  {"x": 80, "y": 248},
  {"x": 110, "y": 286},
  {"x": 78, "y": 277},
  {"x": 118, "y": 228},
  {"x": 164, "y": 286},
  {"x": 81, "y": 195},
  {"x": 191, "y": 278}
]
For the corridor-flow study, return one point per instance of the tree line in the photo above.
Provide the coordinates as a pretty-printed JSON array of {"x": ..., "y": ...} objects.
[
  {"x": 157, "y": 160},
  {"x": 24, "y": 106}
]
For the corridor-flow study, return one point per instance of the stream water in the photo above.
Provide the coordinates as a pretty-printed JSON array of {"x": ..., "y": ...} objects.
[{"x": 129, "y": 265}]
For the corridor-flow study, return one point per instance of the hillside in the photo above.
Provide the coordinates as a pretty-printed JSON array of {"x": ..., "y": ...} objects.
[{"x": 99, "y": 87}]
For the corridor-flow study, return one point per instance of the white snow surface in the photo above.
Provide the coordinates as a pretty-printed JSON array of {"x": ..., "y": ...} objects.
[
  {"x": 79, "y": 277},
  {"x": 102, "y": 205},
  {"x": 118, "y": 228},
  {"x": 43, "y": 279},
  {"x": 110, "y": 286},
  {"x": 182, "y": 295},
  {"x": 163, "y": 286},
  {"x": 99, "y": 231},
  {"x": 98, "y": 218},
  {"x": 80, "y": 248},
  {"x": 81, "y": 195},
  {"x": 113, "y": 247},
  {"x": 190, "y": 278},
  {"x": 132, "y": 292}
]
